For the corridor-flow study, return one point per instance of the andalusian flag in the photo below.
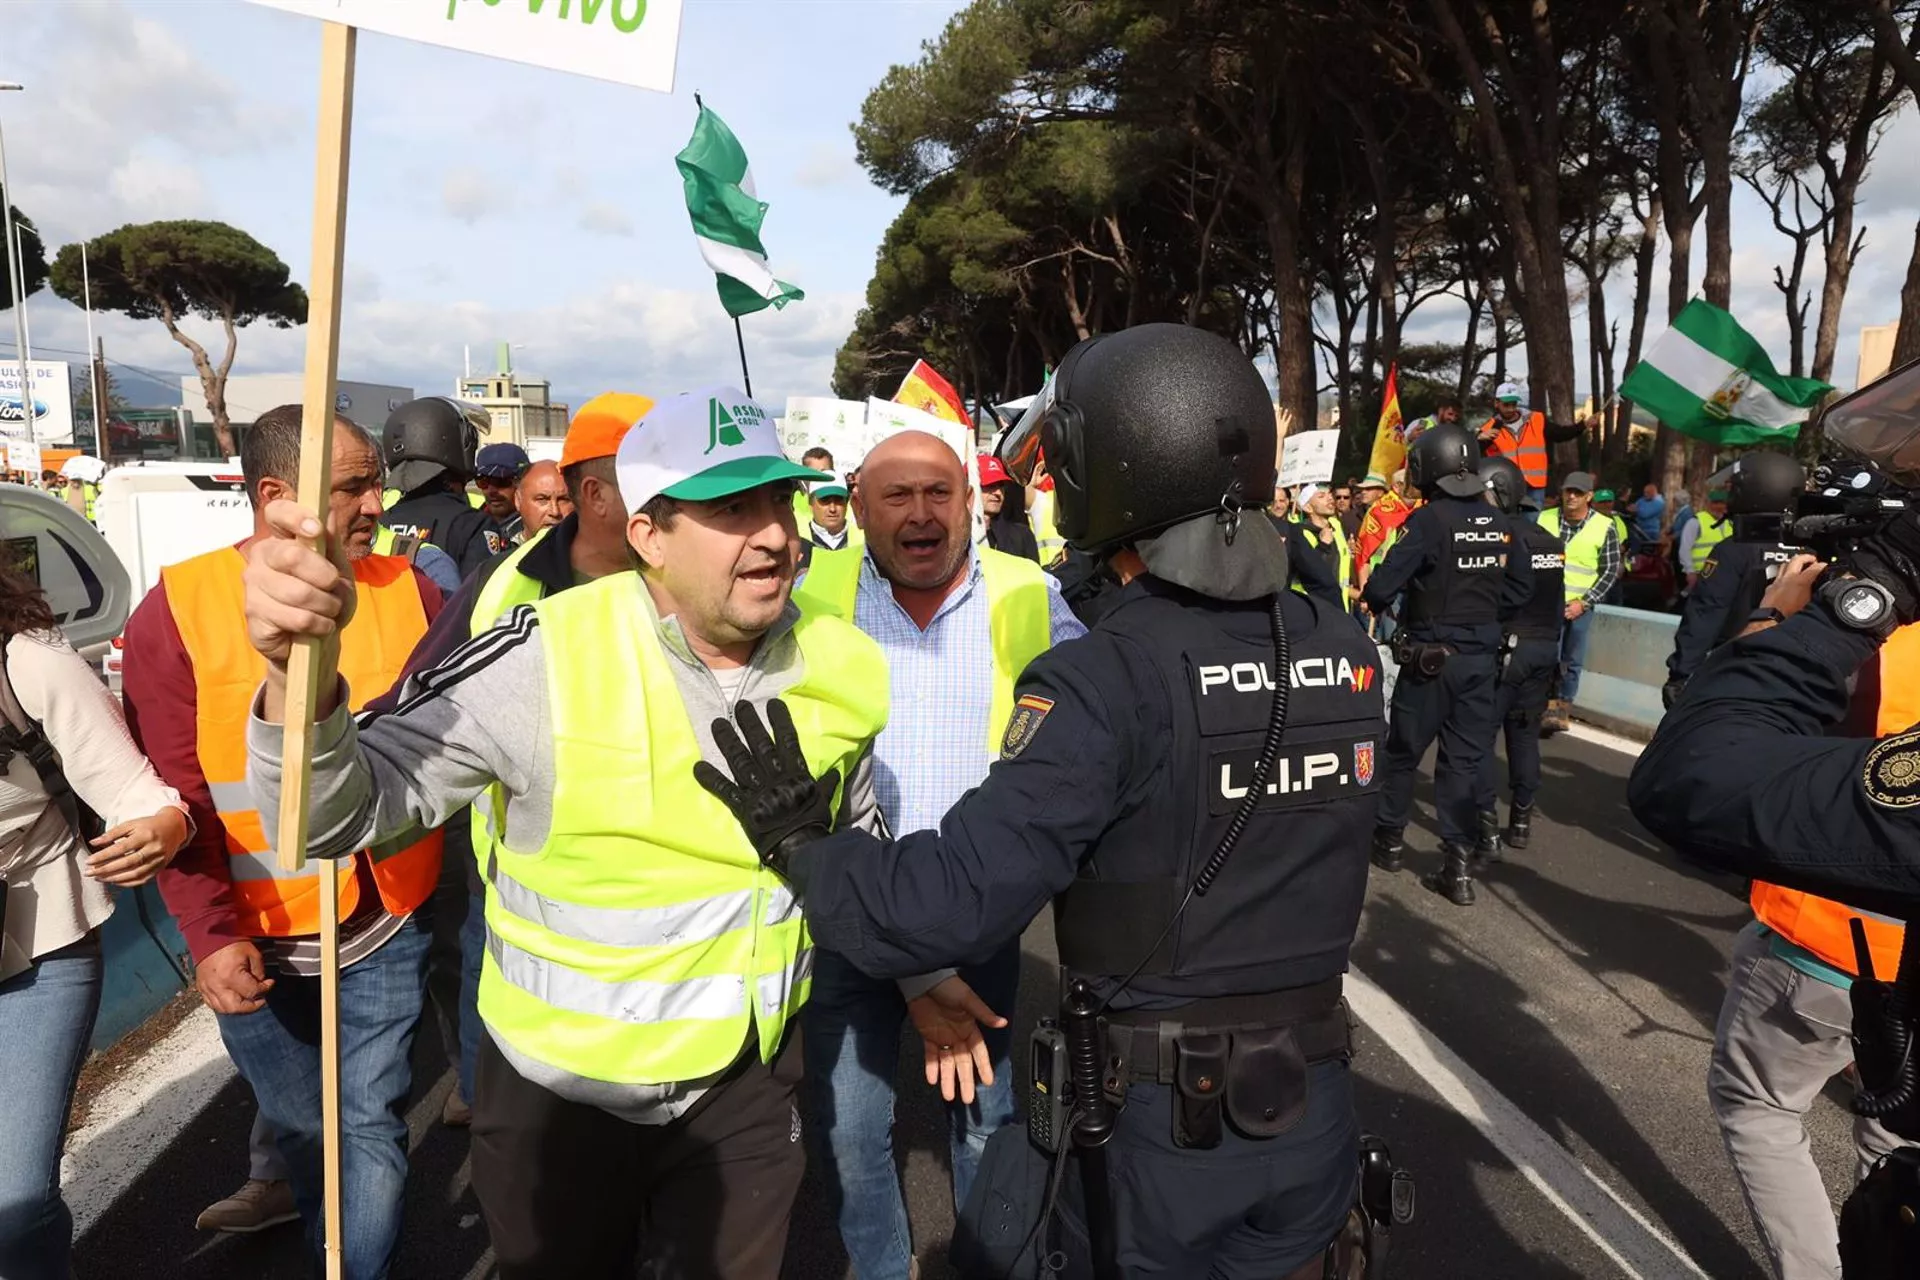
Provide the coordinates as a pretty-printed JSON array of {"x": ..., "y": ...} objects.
[
  {"x": 1707, "y": 378},
  {"x": 925, "y": 390},
  {"x": 1390, "y": 437},
  {"x": 727, "y": 216}
]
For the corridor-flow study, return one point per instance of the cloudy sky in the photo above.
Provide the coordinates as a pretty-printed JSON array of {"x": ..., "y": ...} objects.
[{"x": 494, "y": 202}]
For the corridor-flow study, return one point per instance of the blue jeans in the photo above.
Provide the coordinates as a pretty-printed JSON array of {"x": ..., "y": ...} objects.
[
  {"x": 1573, "y": 653},
  {"x": 473, "y": 945},
  {"x": 277, "y": 1049},
  {"x": 852, "y": 1029},
  {"x": 46, "y": 1020}
]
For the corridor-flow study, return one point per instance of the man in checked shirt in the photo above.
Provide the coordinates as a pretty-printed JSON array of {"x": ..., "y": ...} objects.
[{"x": 958, "y": 623}]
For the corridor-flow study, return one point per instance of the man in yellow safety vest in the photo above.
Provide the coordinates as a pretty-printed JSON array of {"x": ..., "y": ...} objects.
[
  {"x": 1593, "y": 566},
  {"x": 643, "y": 969}
]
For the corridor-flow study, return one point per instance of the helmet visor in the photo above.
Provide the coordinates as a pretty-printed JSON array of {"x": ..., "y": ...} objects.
[
  {"x": 1880, "y": 423},
  {"x": 1019, "y": 448}
]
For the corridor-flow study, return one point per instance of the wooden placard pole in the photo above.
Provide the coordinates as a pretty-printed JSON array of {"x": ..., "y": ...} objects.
[{"x": 303, "y": 670}]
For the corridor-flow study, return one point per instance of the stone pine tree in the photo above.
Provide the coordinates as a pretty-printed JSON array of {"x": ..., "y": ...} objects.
[
  {"x": 33, "y": 257},
  {"x": 167, "y": 271}
]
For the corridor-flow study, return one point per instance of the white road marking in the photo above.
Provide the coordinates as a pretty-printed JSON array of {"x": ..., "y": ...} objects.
[
  {"x": 133, "y": 1120},
  {"x": 1600, "y": 737},
  {"x": 1620, "y": 1231}
]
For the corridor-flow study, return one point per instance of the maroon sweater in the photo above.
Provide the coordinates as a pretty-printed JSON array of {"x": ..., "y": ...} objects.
[{"x": 160, "y": 696}]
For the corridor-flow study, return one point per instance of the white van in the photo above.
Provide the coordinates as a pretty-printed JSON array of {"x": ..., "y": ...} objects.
[{"x": 154, "y": 514}]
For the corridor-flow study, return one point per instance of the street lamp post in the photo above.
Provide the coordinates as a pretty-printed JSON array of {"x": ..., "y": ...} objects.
[{"x": 16, "y": 275}]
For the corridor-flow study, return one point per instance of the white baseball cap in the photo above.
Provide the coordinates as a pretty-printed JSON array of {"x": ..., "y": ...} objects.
[
  {"x": 1509, "y": 391},
  {"x": 703, "y": 445}
]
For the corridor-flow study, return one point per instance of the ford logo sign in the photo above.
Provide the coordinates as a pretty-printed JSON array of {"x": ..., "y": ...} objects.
[{"x": 10, "y": 410}]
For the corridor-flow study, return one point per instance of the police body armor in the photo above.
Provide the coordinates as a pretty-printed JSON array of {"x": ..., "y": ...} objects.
[
  {"x": 1244, "y": 993},
  {"x": 1463, "y": 588},
  {"x": 1541, "y": 616}
]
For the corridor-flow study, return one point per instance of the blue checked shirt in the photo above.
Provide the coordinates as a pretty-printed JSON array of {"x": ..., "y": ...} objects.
[{"x": 935, "y": 746}]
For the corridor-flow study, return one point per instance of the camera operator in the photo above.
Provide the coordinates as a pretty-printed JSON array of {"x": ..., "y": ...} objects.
[{"x": 1759, "y": 486}]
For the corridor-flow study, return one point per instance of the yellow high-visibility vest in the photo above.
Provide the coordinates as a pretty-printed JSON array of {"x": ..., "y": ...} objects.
[
  {"x": 644, "y": 943},
  {"x": 1583, "y": 553},
  {"x": 1017, "y": 612}
]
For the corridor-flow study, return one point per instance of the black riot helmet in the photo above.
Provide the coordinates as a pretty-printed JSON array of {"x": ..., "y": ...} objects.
[
  {"x": 1507, "y": 483},
  {"x": 1760, "y": 482},
  {"x": 431, "y": 437},
  {"x": 1145, "y": 429},
  {"x": 1444, "y": 458}
]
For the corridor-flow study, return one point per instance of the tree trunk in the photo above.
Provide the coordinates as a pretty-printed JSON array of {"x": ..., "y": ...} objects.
[
  {"x": 1620, "y": 434},
  {"x": 1470, "y": 344},
  {"x": 1906, "y": 343},
  {"x": 1293, "y": 345},
  {"x": 1843, "y": 191}
]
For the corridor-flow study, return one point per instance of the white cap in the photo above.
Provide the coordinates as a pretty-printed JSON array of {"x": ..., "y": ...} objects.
[
  {"x": 1308, "y": 492},
  {"x": 700, "y": 446},
  {"x": 1509, "y": 391}
]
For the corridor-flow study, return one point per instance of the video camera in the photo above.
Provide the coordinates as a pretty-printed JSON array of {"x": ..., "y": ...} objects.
[{"x": 1869, "y": 478}]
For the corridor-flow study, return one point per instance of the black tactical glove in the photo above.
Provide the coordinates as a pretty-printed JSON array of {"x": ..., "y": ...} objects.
[{"x": 772, "y": 792}]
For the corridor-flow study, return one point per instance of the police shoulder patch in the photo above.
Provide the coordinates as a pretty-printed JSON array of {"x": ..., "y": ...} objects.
[
  {"x": 1028, "y": 714},
  {"x": 1706, "y": 570},
  {"x": 1891, "y": 777}
]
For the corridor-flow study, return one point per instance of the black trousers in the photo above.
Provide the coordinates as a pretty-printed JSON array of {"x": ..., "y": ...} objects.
[
  {"x": 571, "y": 1191},
  {"x": 1248, "y": 1209},
  {"x": 1459, "y": 707},
  {"x": 1531, "y": 675}
]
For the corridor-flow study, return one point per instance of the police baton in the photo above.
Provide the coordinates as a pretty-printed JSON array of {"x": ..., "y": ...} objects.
[{"x": 1092, "y": 1124}]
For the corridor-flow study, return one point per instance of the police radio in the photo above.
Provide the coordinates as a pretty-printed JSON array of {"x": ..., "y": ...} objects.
[{"x": 1047, "y": 1108}]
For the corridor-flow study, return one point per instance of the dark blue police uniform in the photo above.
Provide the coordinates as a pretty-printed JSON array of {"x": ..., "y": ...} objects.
[
  {"x": 1452, "y": 560},
  {"x": 1130, "y": 750},
  {"x": 1731, "y": 584},
  {"x": 1531, "y": 670}
]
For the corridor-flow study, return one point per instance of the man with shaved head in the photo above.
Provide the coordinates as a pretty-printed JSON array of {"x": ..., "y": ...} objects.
[
  {"x": 957, "y": 623},
  {"x": 541, "y": 498}
]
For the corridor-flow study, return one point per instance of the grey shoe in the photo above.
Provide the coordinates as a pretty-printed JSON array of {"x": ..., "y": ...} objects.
[{"x": 254, "y": 1207}]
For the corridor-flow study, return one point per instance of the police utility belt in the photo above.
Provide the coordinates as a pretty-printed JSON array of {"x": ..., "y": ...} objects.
[
  {"x": 1238, "y": 1060},
  {"x": 1423, "y": 658}
]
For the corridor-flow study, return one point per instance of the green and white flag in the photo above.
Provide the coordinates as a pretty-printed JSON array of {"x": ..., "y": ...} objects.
[
  {"x": 1707, "y": 378},
  {"x": 726, "y": 217}
]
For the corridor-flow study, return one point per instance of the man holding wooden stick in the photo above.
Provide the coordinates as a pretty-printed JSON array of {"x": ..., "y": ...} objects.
[
  {"x": 636, "y": 1082},
  {"x": 254, "y": 927}
]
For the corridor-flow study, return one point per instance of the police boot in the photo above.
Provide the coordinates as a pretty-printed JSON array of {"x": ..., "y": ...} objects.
[
  {"x": 1486, "y": 848},
  {"x": 1519, "y": 825},
  {"x": 1556, "y": 718},
  {"x": 1388, "y": 846},
  {"x": 1454, "y": 881}
]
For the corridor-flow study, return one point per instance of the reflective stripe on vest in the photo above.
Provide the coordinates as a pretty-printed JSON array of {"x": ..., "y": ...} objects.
[
  {"x": 1344, "y": 557},
  {"x": 1528, "y": 448},
  {"x": 1817, "y": 924},
  {"x": 205, "y": 597},
  {"x": 1017, "y": 614},
  {"x": 644, "y": 943},
  {"x": 1583, "y": 552},
  {"x": 1711, "y": 535}
]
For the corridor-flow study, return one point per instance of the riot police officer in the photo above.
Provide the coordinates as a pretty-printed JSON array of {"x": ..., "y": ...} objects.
[
  {"x": 1758, "y": 485},
  {"x": 1210, "y": 709},
  {"x": 429, "y": 447},
  {"x": 1452, "y": 561},
  {"x": 1531, "y": 667}
]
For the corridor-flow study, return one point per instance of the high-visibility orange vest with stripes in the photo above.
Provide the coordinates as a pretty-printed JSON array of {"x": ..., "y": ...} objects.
[
  {"x": 207, "y": 600},
  {"x": 1816, "y": 924},
  {"x": 1527, "y": 449}
]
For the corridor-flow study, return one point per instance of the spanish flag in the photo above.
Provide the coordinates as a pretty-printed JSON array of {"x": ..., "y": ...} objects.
[
  {"x": 927, "y": 391},
  {"x": 1390, "y": 437}
]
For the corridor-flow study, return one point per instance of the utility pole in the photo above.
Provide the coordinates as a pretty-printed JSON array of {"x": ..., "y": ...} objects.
[{"x": 99, "y": 376}]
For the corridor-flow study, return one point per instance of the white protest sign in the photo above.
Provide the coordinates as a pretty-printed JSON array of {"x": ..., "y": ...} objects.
[
  {"x": 1306, "y": 457},
  {"x": 821, "y": 422},
  {"x": 627, "y": 41},
  {"x": 24, "y": 455}
]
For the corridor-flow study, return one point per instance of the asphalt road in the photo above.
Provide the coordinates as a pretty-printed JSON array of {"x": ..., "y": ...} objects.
[{"x": 1577, "y": 999}]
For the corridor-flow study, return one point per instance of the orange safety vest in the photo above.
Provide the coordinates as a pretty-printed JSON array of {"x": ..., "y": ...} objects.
[
  {"x": 207, "y": 600},
  {"x": 1528, "y": 449},
  {"x": 1817, "y": 924}
]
